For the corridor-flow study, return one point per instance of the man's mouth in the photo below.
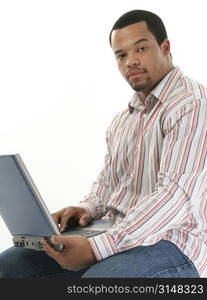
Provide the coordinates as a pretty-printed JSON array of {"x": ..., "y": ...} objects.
[{"x": 135, "y": 74}]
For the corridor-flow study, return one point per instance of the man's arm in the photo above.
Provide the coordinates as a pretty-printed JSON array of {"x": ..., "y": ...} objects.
[{"x": 99, "y": 195}]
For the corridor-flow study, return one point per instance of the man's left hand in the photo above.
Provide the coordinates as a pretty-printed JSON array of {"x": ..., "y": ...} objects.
[{"x": 77, "y": 253}]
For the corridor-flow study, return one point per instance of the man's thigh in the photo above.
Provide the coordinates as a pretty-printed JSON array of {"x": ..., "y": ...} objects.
[
  {"x": 162, "y": 259},
  {"x": 25, "y": 263}
]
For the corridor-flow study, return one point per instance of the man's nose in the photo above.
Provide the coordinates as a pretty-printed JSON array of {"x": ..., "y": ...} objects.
[{"x": 132, "y": 60}]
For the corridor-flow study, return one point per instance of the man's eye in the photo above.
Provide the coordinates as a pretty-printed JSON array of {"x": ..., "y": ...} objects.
[
  {"x": 120, "y": 56},
  {"x": 141, "y": 49}
]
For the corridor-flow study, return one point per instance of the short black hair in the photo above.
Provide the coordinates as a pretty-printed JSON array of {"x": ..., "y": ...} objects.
[{"x": 154, "y": 23}]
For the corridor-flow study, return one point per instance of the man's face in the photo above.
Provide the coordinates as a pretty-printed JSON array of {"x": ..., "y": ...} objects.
[{"x": 142, "y": 62}]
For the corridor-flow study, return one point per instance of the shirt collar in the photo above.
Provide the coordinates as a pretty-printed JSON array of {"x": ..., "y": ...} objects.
[{"x": 160, "y": 92}]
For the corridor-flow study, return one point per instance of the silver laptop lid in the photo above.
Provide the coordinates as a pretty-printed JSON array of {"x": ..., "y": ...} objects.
[{"x": 20, "y": 201}]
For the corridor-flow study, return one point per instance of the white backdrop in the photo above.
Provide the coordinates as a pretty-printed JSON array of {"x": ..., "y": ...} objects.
[{"x": 57, "y": 73}]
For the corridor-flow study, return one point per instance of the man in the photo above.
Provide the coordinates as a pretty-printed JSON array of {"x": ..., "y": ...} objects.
[{"x": 154, "y": 181}]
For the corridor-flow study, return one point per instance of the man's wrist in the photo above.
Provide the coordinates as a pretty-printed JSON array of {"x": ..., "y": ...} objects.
[{"x": 89, "y": 207}]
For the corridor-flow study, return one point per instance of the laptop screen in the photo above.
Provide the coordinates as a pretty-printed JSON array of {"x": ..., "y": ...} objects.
[{"x": 20, "y": 207}]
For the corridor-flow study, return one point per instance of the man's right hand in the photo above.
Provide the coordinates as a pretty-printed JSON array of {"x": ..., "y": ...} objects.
[{"x": 62, "y": 217}]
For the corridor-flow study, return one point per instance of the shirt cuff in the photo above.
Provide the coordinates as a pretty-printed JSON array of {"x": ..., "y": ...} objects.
[{"x": 103, "y": 246}]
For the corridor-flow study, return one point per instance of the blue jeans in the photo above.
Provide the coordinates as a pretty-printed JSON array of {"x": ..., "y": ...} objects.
[{"x": 161, "y": 260}]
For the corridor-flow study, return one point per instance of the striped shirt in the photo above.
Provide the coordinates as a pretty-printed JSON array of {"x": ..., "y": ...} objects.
[{"x": 154, "y": 180}]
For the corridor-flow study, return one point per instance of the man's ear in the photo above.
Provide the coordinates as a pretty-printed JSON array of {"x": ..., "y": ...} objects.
[{"x": 165, "y": 47}]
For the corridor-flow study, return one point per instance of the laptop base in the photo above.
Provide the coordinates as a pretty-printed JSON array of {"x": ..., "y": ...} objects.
[{"x": 34, "y": 243}]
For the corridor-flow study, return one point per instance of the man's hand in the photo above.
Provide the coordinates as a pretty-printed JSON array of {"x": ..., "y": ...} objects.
[
  {"x": 76, "y": 255},
  {"x": 65, "y": 215}
]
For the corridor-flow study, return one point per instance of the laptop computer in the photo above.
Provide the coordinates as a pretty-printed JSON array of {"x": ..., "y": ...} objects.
[{"x": 26, "y": 214}]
